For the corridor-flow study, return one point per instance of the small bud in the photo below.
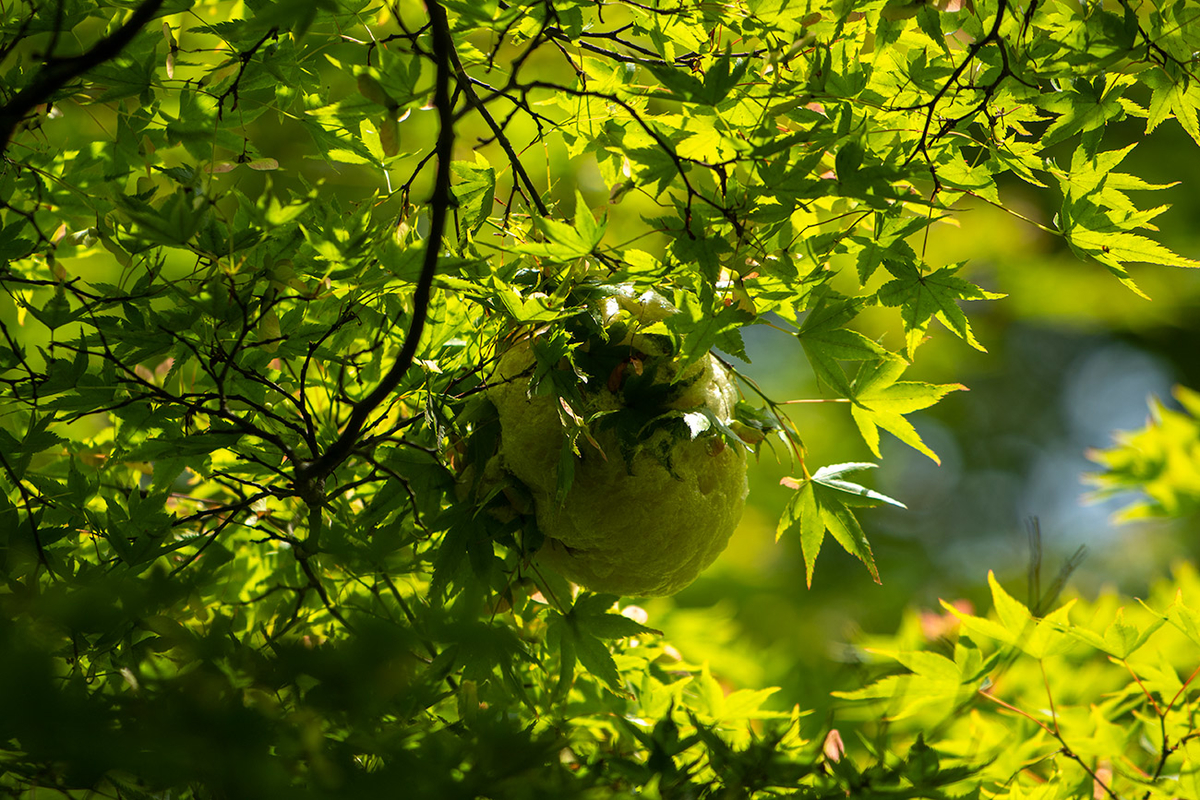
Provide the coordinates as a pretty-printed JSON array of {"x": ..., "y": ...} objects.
[{"x": 834, "y": 748}]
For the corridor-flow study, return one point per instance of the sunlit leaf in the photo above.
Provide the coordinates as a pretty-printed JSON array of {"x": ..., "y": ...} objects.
[
  {"x": 880, "y": 400},
  {"x": 922, "y": 297}
]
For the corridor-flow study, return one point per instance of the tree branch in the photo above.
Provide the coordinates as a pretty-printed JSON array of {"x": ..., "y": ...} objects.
[
  {"x": 56, "y": 72},
  {"x": 464, "y": 81},
  {"x": 930, "y": 107},
  {"x": 315, "y": 471}
]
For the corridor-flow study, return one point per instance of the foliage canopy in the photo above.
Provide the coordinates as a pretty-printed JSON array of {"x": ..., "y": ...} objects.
[{"x": 259, "y": 261}]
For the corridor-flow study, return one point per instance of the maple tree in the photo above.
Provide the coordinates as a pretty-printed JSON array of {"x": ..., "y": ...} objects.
[{"x": 260, "y": 261}]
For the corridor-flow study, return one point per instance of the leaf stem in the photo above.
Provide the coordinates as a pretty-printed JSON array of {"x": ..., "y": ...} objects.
[
  {"x": 1157, "y": 709},
  {"x": 1066, "y": 750}
]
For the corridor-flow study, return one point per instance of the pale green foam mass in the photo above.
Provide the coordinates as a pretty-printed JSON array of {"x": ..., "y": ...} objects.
[{"x": 628, "y": 529}]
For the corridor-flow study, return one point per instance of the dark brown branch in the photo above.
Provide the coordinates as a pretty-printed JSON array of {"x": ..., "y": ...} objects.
[
  {"x": 244, "y": 58},
  {"x": 680, "y": 161},
  {"x": 57, "y": 72},
  {"x": 314, "y": 582},
  {"x": 930, "y": 107},
  {"x": 315, "y": 471},
  {"x": 149, "y": 390},
  {"x": 464, "y": 82}
]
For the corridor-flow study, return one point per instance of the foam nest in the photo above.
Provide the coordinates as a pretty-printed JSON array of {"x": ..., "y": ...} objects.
[{"x": 638, "y": 521}]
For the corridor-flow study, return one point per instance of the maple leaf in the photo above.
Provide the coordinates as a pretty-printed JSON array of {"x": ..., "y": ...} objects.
[
  {"x": 922, "y": 297},
  {"x": 826, "y": 341},
  {"x": 881, "y": 401},
  {"x": 1097, "y": 217},
  {"x": 1173, "y": 98},
  {"x": 567, "y": 242},
  {"x": 577, "y": 635},
  {"x": 888, "y": 241},
  {"x": 822, "y": 503},
  {"x": 1113, "y": 247}
]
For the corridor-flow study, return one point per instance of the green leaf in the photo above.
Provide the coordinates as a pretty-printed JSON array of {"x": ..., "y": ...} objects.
[
  {"x": 1173, "y": 97},
  {"x": 474, "y": 187},
  {"x": 567, "y": 242},
  {"x": 577, "y": 635},
  {"x": 1017, "y": 627},
  {"x": 1087, "y": 107},
  {"x": 296, "y": 16},
  {"x": 700, "y": 329},
  {"x": 1184, "y": 618},
  {"x": 56, "y": 312},
  {"x": 713, "y": 703},
  {"x": 935, "y": 681},
  {"x": 596, "y": 659},
  {"x": 12, "y": 245},
  {"x": 880, "y": 400},
  {"x": 683, "y": 85},
  {"x": 888, "y": 241},
  {"x": 832, "y": 477},
  {"x": 922, "y": 297},
  {"x": 1097, "y": 218},
  {"x": 1114, "y": 248},
  {"x": 1158, "y": 462},
  {"x": 593, "y": 614},
  {"x": 534, "y": 308},
  {"x": 826, "y": 341},
  {"x": 590, "y": 231},
  {"x": 822, "y": 504},
  {"x": 370, "y": 88},
  {"x": 1120, "y": 639},
  {"x": 954, "y": 171}
]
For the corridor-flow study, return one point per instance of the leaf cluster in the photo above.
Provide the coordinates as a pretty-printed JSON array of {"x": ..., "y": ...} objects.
[
  {"x": 1159, "y": 463},
  {"x": 1091, "y": 699}
]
